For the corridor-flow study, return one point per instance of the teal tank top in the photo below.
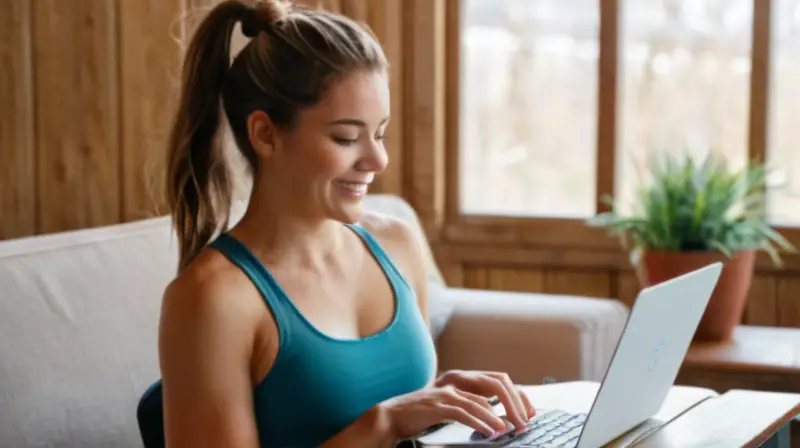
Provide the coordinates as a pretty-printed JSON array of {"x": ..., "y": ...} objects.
[{"x": 318, "y": 384}]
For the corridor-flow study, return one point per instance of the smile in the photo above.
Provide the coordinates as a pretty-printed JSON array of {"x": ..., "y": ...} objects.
[{"x": 356, "y": 188}]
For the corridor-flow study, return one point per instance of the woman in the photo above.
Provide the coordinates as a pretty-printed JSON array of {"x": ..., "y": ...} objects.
[{"x": 306, "y": 323}]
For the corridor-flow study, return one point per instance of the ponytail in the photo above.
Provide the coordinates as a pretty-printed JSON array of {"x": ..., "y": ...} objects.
[
  {"x": 198, "y": 185},
  {"x": 286, "y": 66}
]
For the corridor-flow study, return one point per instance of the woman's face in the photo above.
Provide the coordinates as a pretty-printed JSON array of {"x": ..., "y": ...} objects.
[{"x": 326, "y": 162}]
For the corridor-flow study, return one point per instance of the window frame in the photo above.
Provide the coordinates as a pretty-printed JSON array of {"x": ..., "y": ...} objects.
[{"x": 433, "y": 168}]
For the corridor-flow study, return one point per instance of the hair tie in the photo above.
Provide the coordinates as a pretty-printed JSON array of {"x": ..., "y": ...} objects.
[
  {"x": 250, "y": 23},
  {"x": 264, "y": 15}
]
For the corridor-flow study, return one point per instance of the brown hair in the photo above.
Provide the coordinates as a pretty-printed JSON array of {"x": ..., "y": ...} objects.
[{"x": 293, "y": 55}]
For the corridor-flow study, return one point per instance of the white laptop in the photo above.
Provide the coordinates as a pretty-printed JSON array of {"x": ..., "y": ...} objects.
[{"x": 650, "y": 351}]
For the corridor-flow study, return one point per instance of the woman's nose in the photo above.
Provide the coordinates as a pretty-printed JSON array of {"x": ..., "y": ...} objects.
[{"x": 375, "y": 158}]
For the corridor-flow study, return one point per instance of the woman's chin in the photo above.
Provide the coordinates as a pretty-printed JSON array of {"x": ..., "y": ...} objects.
[{"x": 349, "y": 212}]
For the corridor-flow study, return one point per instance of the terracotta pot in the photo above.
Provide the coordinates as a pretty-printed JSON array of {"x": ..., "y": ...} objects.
[{"x": 727, "y": 303}]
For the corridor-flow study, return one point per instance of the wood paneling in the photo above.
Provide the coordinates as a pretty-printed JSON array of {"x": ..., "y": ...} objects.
[
  {"x": 17, "y": 176},
  {"x": 763, "y": 301},
  {"x": 550, "y": 281},
  {"x": 355, "y": 9},
  {"x": 331, "y": 5},
  {"x": 627, "y": 288},
  {"x": 788, "y": 301},
  {"x": 383, "y": 19},
  {"x": 579, "y": 283},
  {"x": 504, "y": 279},
  {"x": 88, "y": 95},
  {"x": 425, "y": 111},
  {"x": 149, "y": 76},
  {"x": 77, "y": 114},
  {"x": 607, "y": 102}
]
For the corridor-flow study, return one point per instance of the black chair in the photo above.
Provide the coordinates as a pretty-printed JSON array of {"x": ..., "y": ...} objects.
[{"x": 150, "y": 416}]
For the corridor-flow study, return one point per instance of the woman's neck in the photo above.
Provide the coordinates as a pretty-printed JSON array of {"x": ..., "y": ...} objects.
[{"x": 275, "y": 230}]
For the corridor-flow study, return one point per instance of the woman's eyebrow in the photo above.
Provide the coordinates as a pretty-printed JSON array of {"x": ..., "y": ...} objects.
[{"x": 353, "y": 122}]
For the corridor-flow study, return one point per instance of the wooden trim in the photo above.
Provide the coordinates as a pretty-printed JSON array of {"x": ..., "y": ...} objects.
[
  {"x": 385, "y": 20},
  {"x": 453, "y": 109},
  {"x": 510, "y": 255},
  {"x": 527, "y": 232},
  {"x": 540, "y": 232},
  {"x": 760, "y": 80},
  {"x": 792, "y": 234},
  {"x": 18, "y": 135},
  {"x": 424, "y": 115},
  {"x": 607, "y": 102}
]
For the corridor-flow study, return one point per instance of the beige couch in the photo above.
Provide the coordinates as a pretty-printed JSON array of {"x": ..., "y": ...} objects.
[{"x": 79, "y": 315}]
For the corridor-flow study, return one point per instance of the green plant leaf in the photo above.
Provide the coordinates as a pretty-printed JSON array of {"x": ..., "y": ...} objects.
[{"x": 686, "y": 205}]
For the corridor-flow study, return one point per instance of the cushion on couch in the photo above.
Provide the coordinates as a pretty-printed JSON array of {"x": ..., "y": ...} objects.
[{"x": 78, "y": 324}]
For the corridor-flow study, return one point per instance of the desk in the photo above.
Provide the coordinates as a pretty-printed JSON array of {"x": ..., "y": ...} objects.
[
  {"x": 757, "y": 358},
  {"x": 691, "y": 416}
]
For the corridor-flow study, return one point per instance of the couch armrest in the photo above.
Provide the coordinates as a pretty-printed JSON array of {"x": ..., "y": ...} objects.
[{"x": 533, "y": 337}]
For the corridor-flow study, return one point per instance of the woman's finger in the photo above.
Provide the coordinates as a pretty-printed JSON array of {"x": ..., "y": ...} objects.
[
  {"x": 458, "y": 414},
  {"x": 481, "y": 400},
  {"x": 515, "y": 393},
  {"x": 476, "y": 406},
  {"x": 515, "y": 408},
  {"x": 527, "y": 403}
]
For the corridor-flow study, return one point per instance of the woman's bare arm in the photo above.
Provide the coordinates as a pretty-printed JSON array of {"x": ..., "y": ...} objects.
[
  {"x": 371, "y": 430},
  {"x": 205, "y": 344}
]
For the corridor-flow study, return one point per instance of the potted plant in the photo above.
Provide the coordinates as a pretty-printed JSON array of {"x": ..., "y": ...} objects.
[{"x": 693, "y": 213}]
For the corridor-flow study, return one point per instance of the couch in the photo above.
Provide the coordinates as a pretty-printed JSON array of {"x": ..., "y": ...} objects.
[{"x": 79, "y": 315}]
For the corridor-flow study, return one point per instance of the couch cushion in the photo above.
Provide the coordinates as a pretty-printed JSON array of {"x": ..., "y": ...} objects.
[
  {"x": 78, "y": 320},
  {"x": 395, "y": 206}
]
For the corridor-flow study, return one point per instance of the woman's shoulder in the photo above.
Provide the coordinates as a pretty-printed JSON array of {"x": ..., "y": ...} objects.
[
  {"x": 209, "y": 295},
  {"x": 205, "y": 279}
]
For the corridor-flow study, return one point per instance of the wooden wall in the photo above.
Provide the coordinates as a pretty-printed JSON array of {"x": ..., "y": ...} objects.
[
  {"x": 87, "y": 90},
  {"x": 86, "y": 93}
]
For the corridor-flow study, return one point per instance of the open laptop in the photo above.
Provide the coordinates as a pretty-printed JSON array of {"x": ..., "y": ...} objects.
[{"x": 650, "y": 351}]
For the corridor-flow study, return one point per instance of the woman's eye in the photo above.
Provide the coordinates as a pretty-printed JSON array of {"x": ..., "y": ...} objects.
[{"x": 344, "y": 141}]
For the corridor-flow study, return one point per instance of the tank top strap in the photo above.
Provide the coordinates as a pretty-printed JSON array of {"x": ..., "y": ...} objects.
[
  {"x": 380, "y": 254},
  {"x": 238, "y": 254}
]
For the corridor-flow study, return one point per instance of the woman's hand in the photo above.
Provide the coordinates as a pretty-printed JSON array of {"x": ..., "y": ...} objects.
[
  {"x": 461, "y": 396},
  {"x": 489, "y": 384},
  {"x": 411, "y": 414}
]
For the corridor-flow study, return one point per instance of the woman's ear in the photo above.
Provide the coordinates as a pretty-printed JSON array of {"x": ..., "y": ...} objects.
[{"x": 262, "y": 132}]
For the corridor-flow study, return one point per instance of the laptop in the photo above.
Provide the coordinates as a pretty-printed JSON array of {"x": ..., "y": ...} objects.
[{"x": 649, "y": 353}]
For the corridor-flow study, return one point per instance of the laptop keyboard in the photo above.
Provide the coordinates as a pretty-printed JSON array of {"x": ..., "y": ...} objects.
[{"x": 555, "y": 429}]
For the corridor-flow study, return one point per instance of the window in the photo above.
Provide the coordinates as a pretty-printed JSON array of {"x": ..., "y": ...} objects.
[
  {"x": 528, "y": 107},
  {"x": 784, "y": 149},
  {"x": 685, "y": 81},
  {"x": 531, "y": 102}
]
